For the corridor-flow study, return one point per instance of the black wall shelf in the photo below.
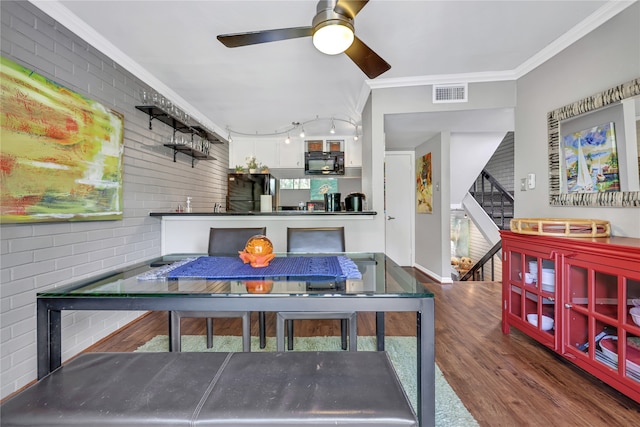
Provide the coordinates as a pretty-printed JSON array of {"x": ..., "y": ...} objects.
[
  {"x": 159, "y": 114},
  {"x": 191, "y": 152}
]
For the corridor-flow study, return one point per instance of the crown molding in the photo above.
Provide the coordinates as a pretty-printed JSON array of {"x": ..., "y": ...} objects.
[
  {"x": 481, "y": 77},
  {"x": 65, "y": 17},
  {"x": 593, "y": 21}
]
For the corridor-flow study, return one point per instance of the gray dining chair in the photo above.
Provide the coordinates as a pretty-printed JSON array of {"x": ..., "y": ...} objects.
[
  {"x": 225, "y": 241},
  {"x": 319, "y": 240}
]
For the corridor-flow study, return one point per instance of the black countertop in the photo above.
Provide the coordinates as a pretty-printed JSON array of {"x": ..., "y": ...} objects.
[{"x": 274, "y": 213}]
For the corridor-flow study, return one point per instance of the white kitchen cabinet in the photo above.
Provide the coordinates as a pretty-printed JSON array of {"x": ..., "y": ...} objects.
[
  {"x": 266, "y": 152},
  {"x": 275, "y": 153},
  {"x": 291, "y": 155},
  {"x": 239, "y": 150},
  {"x": 352, "y": 153}
]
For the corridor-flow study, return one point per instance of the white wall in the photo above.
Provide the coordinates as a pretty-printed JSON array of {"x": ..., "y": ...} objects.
[
  {"x": 606, "y": 57},
  {"x": 486, "y": 95},
  {"x": 37, "y": 257},
  {"x": 470, "y": 152}
]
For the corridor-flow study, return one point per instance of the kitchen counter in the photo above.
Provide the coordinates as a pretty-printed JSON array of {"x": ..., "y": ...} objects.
[
  {"x": 188, "y": 232},
  {"x": 273, "y": 213}
]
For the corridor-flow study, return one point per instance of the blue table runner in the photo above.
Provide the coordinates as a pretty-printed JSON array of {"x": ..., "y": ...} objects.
[{"x": 309, "y": 267}]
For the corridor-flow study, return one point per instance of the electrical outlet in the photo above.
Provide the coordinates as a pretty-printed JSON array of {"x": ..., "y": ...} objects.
[{"x": 523, "y": 184}]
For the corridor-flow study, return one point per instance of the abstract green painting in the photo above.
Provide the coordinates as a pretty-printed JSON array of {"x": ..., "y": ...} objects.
[{"x": 61, "y": 157}]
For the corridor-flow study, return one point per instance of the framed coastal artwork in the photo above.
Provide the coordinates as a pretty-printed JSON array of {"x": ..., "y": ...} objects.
[
  {"x": 424, "y": 186},
  {"x": 322, "y": 186},
  {"x": 593, "y": 149},
  {"x": 591, "y": 160},
  {"x": 61, "y": 157}
]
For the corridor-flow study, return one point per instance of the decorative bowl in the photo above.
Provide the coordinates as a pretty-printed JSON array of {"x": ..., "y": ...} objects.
[
  {"x": 259, "y": 245},
  {"x": 256, "y": 261},
  {"x": 258, "y": 251},
  {"x": 259, "y": 286},
  {"x": 635, "y": 314},
  {"x": 547, "y": 322}
]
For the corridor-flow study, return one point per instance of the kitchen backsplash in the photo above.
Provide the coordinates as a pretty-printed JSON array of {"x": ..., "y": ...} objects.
[{"x": 293, "y": 197}]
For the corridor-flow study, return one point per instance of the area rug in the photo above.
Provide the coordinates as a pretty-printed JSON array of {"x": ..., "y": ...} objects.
[{"x": 450, "y": 411}]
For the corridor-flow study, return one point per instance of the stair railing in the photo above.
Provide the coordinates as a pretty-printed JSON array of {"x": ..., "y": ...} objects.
[
  {"x": 486, "y": 195},
  {"x": 476, "y": 272}
]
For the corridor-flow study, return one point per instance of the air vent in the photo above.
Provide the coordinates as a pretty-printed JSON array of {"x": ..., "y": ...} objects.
[{"x": 450, "y": 93}]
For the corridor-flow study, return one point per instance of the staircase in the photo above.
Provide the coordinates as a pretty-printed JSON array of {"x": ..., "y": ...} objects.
[{"x": 496, "y": 201}]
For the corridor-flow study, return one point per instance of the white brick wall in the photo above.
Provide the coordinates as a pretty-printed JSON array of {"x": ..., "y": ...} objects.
[{"x": 35, "y": 257}]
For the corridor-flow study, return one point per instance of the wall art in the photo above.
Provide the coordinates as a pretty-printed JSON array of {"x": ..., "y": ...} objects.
[
  {"x": 591, "y": 160},
  {"x": 618, "y": 105},
  {"x": 424, "y": 186},
  {"x": 322, "y": 186},
  {"x": 61, "y": 157}
]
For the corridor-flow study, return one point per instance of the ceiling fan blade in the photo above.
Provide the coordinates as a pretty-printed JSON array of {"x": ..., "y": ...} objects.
[
  {"x": 349, "y": 8},
  {"x": 266, "y": 36},
  {"x": 369, "y": 62}
]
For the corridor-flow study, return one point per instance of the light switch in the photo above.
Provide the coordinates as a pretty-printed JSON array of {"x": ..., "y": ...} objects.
[
  {"x": 523, "y": 184},
  {"x": 531, "y": 181}
]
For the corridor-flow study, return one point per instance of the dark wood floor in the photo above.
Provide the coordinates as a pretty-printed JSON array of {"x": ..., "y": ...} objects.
[{"x": 503, "y": 380}]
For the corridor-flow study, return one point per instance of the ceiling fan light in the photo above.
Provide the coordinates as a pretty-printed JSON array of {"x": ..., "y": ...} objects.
[{"x": 333, "y": 38}]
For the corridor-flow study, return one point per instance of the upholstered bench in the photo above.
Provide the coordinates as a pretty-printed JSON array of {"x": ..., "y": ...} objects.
[{"x": 215, "y": 389}]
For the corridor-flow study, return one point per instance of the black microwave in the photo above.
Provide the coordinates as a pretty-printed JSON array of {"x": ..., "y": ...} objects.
[{"x": 324, "y": 163}]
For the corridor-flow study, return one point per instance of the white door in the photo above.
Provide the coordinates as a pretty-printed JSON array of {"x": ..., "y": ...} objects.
[{"x": 399, "y": 197}]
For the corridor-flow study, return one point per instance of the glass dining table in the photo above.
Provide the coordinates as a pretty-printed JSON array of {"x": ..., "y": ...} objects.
[{"x": 381, "y": 286}]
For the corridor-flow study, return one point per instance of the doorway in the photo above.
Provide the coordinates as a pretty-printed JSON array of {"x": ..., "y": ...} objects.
[{"x": 399, "y": 202}]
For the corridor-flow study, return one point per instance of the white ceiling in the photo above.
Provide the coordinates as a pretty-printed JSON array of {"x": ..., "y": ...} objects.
[{"x": 172, "y": 46}]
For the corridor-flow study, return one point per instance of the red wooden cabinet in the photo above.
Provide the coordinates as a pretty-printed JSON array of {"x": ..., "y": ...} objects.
[{"x": 585, "y": 289}]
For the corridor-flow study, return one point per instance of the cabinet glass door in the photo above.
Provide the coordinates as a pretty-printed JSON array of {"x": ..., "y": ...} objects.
[
  {"x": 631, "y": 327},
  {"x": 531, "y": 298},
  {"x": 597, "y": 322}
]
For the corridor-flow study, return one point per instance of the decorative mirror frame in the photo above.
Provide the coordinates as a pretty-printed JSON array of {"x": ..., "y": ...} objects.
[{"x": 554, "y": 118}]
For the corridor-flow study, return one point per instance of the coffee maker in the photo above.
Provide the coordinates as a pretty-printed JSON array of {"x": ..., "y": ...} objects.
[
  {"x": 354, "y": 202},
  {"x": 332, "y": 202}
]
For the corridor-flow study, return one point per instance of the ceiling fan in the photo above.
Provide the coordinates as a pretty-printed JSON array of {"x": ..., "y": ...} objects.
[{"x": 332, "y": 31}]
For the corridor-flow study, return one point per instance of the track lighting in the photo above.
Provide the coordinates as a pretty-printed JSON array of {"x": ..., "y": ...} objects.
[{"x": 295, "y": 125}]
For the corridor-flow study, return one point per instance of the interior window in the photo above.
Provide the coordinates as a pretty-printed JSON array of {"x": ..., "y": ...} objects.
[{"x": 295, "y": 184}]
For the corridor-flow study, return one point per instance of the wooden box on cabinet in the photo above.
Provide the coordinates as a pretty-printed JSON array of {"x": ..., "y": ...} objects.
[{"x": 588, "y": 287}]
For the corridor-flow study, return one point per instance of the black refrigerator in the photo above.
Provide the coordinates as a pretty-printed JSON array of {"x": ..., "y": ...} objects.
[{"x": 244, "y": 191}]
